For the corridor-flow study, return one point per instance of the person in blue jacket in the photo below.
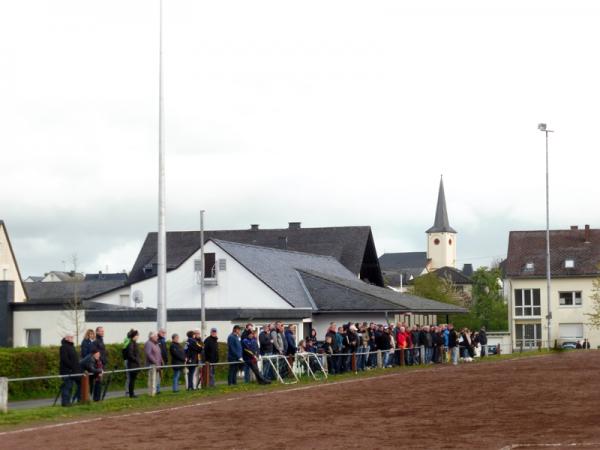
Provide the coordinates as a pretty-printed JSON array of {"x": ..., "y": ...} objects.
[
  {"x": 250, "y": 355},
  {"x": 234, "y": 354}
]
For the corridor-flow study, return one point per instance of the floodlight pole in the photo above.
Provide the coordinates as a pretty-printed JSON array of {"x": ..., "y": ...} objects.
[
  {"x": 542, "y": 127},
  {"x": 202, "y": 294},
  {"x": 161, "y": 306}
]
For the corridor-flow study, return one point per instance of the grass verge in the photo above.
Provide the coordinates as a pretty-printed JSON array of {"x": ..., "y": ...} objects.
[{"x": 49, "y": 414}]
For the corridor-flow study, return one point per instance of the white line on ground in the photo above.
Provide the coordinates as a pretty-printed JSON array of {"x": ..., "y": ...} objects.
[
  {"x": 261, "y": 394},
  {"x": 570, "y": 444}
]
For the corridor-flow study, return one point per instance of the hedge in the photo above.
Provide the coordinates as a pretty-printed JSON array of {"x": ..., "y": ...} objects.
[{"x": 41, "y": 361}]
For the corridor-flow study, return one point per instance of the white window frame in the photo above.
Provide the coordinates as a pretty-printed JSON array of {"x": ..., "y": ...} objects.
[
  {"x": 574, "y": 299},
  {"x": 569, "y": 263},
  {"x": 528, "y": 342},
  {"x": 520, "y": 309}
]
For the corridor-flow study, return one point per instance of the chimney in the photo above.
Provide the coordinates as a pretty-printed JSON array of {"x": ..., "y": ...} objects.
[
  {"x": 283, "y": 242},
  {"x": 254, "y": 227},
  {"x": 574, "y": 228},
  {"x": 294, "y": 225},
  {"x": 587, "y": 234}
]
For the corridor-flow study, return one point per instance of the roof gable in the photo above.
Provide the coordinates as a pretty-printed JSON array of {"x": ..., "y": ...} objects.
[
  {"x": 453, "y": 274},
  {"x": 348, "y": 245},
  {"x": 4, "y": 231},
  {"x": 530, "y": 247}
]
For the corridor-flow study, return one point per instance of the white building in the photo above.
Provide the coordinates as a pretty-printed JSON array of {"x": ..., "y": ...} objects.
[
  {"x": 574, "y": 258},
  {"x": 244, "y": 283}
]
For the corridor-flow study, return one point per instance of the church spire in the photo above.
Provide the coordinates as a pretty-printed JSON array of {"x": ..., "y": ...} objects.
[{"x": 441, "y": 224}]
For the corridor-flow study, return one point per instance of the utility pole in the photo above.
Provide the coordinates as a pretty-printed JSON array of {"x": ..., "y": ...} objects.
[
  {"x": 202, "y": 269},
  {"x": 161, "y": 313},
  {"x": 542, "y": 127}
]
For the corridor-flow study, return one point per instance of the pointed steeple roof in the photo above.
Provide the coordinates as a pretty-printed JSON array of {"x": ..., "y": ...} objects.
[{"x": 441, "y": 224}]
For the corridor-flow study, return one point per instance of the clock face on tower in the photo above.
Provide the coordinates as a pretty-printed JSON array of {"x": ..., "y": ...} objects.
[{"x": 436, "y": 241}]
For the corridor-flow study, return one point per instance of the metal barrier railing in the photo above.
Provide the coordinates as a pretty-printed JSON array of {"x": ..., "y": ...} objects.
[{"x": 281, "y": 365}]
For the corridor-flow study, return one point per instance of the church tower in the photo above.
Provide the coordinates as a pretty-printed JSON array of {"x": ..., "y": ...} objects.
[{"x": 441, "y": 237}]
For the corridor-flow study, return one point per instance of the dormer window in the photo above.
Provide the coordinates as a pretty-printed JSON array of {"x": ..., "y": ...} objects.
[
  {"x": 529, "y": 266},
  {"x": 569, "y": 263}
]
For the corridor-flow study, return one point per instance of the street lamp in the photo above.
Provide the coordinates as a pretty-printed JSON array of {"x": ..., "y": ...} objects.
[{"x": 543, "y": 128}]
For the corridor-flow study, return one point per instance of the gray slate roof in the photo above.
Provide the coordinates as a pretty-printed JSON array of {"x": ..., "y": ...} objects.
[
  {"x": 278, "y": 268},
  {"x": 401, "y": 261},
  {"x": 352, "y": 246},
  {"x": 454, "y": 275},
  {"x": 441, "y": 223},
  {"x": 106, "y": 276},
  {"x": 331, "y": 293},
  {"x": 63, "y": 291}
]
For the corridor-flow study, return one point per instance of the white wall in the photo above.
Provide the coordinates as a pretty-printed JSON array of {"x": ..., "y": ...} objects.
[
  {"x": 237, "y": 287},
  {"x": 8, "y": 266},
  {"x": 49, "y": 322}
]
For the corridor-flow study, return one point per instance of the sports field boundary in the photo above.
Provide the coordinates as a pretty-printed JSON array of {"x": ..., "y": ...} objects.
[{"x": 274, "y": 390}]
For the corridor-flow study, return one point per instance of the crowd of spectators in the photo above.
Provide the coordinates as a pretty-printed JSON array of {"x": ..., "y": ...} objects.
[{"x": 350, "y": 347}]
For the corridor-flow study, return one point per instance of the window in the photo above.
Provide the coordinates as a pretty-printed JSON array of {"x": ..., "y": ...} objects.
[
  {"x": 436, "y": 241},
  {"x": 33, "y": 337},
  {"x": 222, "y": 265},
  {"x": 124, "y": 300},
  {"x": 527, "y": 303},
  {"x": 209, "y": 265},
  {"x": 569, "y": 298},
  {"x": 528, "y": 335},
  {"x": 529, "y": 266},
  {"x": 569, "y": 263},
  {"x": 570, "y": 330}
]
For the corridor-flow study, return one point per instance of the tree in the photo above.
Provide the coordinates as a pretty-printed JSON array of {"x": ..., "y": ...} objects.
[
  {"x": 594, "y": 317},
  {"x": 435, "y": 288},
  {"x": 73, "y": 314}
]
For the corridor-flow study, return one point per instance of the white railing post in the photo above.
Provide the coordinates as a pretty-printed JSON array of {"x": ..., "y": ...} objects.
[
  {"x": 4, "y": 395},
  {"x": 379, "y": 359},
  {"x": 152, "y": 380}
]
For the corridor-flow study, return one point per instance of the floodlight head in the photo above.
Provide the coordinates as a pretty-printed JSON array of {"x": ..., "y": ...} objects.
[{"x": 542, "y": 126}]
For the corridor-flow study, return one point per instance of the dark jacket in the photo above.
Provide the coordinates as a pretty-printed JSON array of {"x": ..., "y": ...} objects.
[
  {"x": 99, "y": 344},
  {"x": 164, "y": 351},
  {"x": 383, "y": 341},
  {"x": 177, "y": 354},
  {"x": 69, "y": 362},
  {"x": 86, "y": 347},
  {"x": 482, "y": 337},
  {"x": 193, "y": 350},
  {"x": 250, "y": 349},
  {"x": 266, "y": 343},
  {"x": 291, "y": 343},
  {"x": 211, "y": 350},
  {"x": 352, "y": 339},
  {"x": 427, "y": 339},
  {"x": 452, "y": 338},
  {"x": 90, "y": 365},
  {"x": 234, "y": 348},
  {"x": 132, "y": 355},
  {"x": 333, "y": 336}
]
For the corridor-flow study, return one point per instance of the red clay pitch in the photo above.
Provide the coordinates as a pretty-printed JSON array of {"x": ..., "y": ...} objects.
[{"x": 545, "y": 400}]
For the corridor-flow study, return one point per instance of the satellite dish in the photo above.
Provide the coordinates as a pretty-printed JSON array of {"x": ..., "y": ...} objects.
[{"x": 138, "y": 297}]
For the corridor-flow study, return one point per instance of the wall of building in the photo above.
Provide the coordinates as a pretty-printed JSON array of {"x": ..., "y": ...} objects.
[
  {"x": 236, "y": 287},
  {"x": 444, "y": 253},
  {"x": 560, "y": 314},
  {"x": 8, "y": 266},
  {"x": 50, "y": 323}
]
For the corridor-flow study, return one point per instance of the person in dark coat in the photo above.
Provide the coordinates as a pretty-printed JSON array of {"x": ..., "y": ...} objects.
[
  {"x": 177, "y": 359},
  {"x": 87, "y": 343},
  {"x": 234, "y": 354},
  {"x": 69, "y": 365},
  {"x": 193, "y": 352},
  {"x": 92, "y": 364},
  {"x": 483, "y": 340},
  {"x": 99, "y": 344},
  {"x": 211, "y": 354},
  {"x": 162, "y": 343},
  {"x": 250, "y": 356},
  {"x": 132, "y": 356},
  {"x": 453, "y": 343}
]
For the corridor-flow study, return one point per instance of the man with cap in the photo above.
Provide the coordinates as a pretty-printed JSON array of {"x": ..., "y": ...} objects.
[
  {"x": 250, "y": 355},
  {"x": 69, "y": 365},
  {"x": 234, "y": 354},
  {"x": 249, "y": 329},
  {"x": 211, "y": 354}
]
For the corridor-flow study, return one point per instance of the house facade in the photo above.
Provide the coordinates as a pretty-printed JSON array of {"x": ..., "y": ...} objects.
[{"x": 574, "y": 259}]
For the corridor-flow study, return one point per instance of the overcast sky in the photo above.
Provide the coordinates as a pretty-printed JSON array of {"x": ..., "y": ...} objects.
[{"x": 325, "y": 112}]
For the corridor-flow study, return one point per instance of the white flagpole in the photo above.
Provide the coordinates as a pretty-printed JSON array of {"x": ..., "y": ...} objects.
[{"x": 161, "y": 315}]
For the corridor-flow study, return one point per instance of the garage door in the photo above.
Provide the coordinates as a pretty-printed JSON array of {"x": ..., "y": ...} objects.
[{"x": 571, "y": 330}]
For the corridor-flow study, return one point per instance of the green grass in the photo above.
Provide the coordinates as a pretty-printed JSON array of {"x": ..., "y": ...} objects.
[{"x": 167, "y": 398}]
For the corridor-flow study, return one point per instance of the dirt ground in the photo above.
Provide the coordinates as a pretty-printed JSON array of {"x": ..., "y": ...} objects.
[{"x": 505, "y": 404}]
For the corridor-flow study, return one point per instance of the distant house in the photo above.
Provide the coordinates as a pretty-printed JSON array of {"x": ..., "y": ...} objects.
[
  {"x": 574, "y": 259},
  {"x": 33, "y": 279},
  {"x": 57, "y": 276},
  {"x": 399, "y": 269},
  {"x": 9, "y": 269},
  {"x": 120, "y": 276}
]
